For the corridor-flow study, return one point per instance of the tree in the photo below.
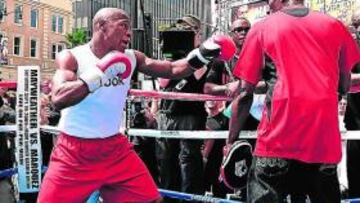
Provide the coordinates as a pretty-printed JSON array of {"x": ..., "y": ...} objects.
[{"x": 77, "y": 37}]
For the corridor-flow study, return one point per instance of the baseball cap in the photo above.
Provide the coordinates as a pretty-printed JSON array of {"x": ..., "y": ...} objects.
[{"x": 191, "y": 21}]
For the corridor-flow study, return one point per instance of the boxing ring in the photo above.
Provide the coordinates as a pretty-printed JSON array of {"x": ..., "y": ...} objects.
[{"x": 346, "y": 135}]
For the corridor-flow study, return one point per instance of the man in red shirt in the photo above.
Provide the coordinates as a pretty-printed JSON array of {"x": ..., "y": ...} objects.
[{"x": 299, "y": 142}]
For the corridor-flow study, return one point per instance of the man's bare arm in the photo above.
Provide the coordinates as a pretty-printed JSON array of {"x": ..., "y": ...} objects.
[
  {"x": 240, "y": 108},
  {"x": 344, "y": 82},
  {"x": 67, "y": 89},
  {"x": 230, "y": 89},
  {"x": 215, "y": 89}
]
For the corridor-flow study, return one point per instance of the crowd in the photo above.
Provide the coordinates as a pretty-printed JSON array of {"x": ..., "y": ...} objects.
[
  {"x": 48, "y": 116},
  {"x": 282, "y": 154}
]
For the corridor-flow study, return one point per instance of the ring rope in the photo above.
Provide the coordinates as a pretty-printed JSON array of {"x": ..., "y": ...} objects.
[
  {"x": 171, "y": 95},
  {"x": 192, "y": 197},
  {"x": 13, "y": 84},
  {"x": 12, "y": 171},
  {"x": 204, "y": 134},
  {"x": 154, "y": 94},
  {"x": 182, "y": 134},
  {"x": 177, "y": 95},
  {"x": 8, "y": 84}
]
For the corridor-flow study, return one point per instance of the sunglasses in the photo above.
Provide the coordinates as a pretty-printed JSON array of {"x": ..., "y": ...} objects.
[{"x": 241, "y": 29}]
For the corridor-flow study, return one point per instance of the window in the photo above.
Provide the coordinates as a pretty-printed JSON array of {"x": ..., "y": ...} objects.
[
  {"x": 34, "y": 18},
  {"x": 78, "y": 22},
  {"x": 2, "y": 10},
  {"x": 33, "y": 48},
  {"x": 3, "y": 50},
  {"x": 57, "y": 24},
  {"x": 17, "y": 46},
  {"x": 18, "y": 14},
  {"x": 60, "y": 24},
  {"x": 53, "y": 23},
  {"x": 56, "y": 48}
]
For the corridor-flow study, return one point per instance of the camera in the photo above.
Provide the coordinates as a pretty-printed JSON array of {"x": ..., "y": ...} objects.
[{"x": 177, "y": 43}]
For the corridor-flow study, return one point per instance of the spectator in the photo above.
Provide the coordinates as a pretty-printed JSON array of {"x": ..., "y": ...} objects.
[
  {"x": 212, "y": 152},
  {"x": 7, "y": 116},
  {"x": 145, "y": 146},
  {"x": 182, "y": 156}
]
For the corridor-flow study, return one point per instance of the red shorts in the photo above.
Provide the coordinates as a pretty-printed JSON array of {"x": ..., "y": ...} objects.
[{"x": 79, "y": 166}]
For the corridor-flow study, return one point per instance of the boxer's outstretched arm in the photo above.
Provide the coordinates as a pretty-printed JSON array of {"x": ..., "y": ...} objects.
[
  {"x": 162, "y": 68},
  {"x": 240, "y": 108},
  {"x": 67, "y": 89},
  {"x": 218, "y": 46}
]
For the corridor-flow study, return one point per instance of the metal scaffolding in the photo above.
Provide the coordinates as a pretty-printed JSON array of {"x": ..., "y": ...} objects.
[{"x": 223, "y": 15}]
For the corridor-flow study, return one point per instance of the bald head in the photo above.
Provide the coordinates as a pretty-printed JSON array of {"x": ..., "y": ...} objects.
[
  {"x": 111, "y": 31},
  {"x": 106, "y": 14}
]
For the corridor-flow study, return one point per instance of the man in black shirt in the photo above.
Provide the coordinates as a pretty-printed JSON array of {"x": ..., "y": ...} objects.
[{"x": 180, "y": 161}]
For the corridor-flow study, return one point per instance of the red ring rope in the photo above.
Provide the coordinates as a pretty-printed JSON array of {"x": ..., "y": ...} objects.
[
  {"x": 154, "y": 94},
  {"x": 178, "y": 96},
  {"x": 8, "y": 84},
  {"x": 172, "y": 95}
]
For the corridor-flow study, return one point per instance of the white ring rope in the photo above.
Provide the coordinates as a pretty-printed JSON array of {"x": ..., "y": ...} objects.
[
  {"x": 182, "y": 134},
  {"x": 187, "y": 134}
]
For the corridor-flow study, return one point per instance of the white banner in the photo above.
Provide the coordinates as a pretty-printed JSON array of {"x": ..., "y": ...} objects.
[{"x": 28, "y": 146}]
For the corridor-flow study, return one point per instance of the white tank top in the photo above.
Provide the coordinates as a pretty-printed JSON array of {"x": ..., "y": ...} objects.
[{"x": 99, "y": 114}]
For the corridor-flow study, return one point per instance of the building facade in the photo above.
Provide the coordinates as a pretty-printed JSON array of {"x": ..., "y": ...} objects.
[
  {"x": 32, "y": 33},
  {"x": 255, "y": 10}
]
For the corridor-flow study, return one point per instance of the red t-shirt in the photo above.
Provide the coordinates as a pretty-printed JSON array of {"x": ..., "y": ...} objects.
[{"x": 308, "y": 52}]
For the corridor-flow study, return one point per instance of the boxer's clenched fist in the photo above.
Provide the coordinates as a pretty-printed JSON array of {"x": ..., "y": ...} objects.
[
  {"x": 113, "y": 64},
  {"x": 219, "y": 46}
]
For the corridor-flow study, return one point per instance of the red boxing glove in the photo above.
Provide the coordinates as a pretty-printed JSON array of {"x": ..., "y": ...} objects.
[
  {"x": 113, "y": 64},
  {"x": 227, "y": 46},
  {"x": 219, "y": 46}
]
